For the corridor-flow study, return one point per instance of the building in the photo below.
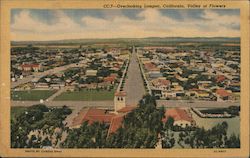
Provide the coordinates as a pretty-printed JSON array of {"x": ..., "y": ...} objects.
[
  {"x": 181, "y": 117},
  {"x": 126, "y": 109},
  {"x": 109, "y": 79},
  {"x": 150, "y": 66},
  {"x": 115, "y": 124},
  {"x": 30, "y": 67},
  {"x": 223, "y": 94},
  {"x": 154, "y": 74},
  {"x": 220, "y": 78},
  {"x": 173, "y": 94},
  {"x": 42, "y": 85},
  {"x": 119, "y": 100},
  {"x": 91, "y": 115},
  {"x": 91, "y": 72},
  {"x": 161, "y": 84},
  {"x": 198, "y": 93}
]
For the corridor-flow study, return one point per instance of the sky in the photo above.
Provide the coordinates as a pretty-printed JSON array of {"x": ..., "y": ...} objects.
[{"x": 44, "y": 24}]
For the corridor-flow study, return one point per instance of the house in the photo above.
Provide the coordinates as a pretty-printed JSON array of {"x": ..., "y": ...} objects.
[
  {"x": 113, "y": 75},
  {"x": 154, "y": 74},
  {"x": 30, "y": 67},
  {"x": 161, "y": 84},
  {"x": 220, "y": 78},
  {"x": 109, "y": 79},
  {"x": 176, "y": 87},
  {"x": 42, "y": 85},
  {"x": 223, "y": 94},
  {"x": 204, "y": 84},
  {"x": 181, "y": 117},
  {"x": 91, "y": 72},
  {"x": 180, "y": 78},
  {"x": 173, "y": 94},
  {"x": 198, "y": 93},
  {"x": 104, "y": 85},
  {"x": 150, "y": 66},
  {"x": 91, "y": 86},
  {"x": 57, "y": 85}
]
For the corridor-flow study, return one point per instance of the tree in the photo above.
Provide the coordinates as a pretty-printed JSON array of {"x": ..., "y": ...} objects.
[
  {"x": 37, "y": 117},
  {"x": 46, "y": 142},
  {"x": 233, "y": 142},
  {"x": 169, "y": 123}
]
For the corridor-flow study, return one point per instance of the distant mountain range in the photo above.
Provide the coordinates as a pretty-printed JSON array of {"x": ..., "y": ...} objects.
[{"x": 134, "y": 40}]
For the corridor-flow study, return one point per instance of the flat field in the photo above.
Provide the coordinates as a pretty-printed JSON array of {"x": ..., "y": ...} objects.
[
  {"x": 86, "y": 95},
  {"x": 32, "y": 95}
]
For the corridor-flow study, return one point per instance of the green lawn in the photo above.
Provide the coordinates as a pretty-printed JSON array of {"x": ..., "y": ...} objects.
[
  {"x": 32, "y": 95},
  {"x": 16, "y": 111},
  {"x": 87, "y": 95}
]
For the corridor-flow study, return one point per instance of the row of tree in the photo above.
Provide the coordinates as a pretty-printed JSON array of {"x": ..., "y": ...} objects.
[{"x": 36, "y": 117}]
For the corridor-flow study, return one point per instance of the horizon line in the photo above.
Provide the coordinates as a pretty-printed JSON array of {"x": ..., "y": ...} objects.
[{"x": 54, "y": 40}]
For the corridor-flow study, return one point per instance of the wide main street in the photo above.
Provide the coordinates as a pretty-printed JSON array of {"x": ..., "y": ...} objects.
[{"x": 134, "y": 83}]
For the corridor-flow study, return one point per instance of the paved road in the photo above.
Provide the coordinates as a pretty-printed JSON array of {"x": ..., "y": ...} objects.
[
  {"x": 204, "y": 104},
  {"x": 41, "y": 74},
  {"x": 134, "y": 82},
  {"x": 74, "y": 104}
]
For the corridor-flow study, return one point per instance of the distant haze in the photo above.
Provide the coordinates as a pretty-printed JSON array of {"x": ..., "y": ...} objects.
[{"x": 136, "y": 41}]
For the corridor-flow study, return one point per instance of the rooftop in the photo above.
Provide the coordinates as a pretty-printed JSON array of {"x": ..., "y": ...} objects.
[
  {"x": 126, "y": 109},
  {"x": 223, "y": 92},
  {"x": 92, "y": 115},
  {"x": 177, "y": 114},
  {"x": 116, "y": 123}
]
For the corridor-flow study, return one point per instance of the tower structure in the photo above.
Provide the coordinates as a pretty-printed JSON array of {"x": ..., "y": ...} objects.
[{"x": 119, "y": 100}]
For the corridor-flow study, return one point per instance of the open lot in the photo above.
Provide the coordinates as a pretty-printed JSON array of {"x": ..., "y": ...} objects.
[
  {"x": 31, "y": 95},
  {"x": 86, "y": 95}
]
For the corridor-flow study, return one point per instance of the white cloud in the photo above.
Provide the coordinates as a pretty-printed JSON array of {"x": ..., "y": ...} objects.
[
  {"x": 24, "y": 22},
  {"x": 151, "y": 23}
]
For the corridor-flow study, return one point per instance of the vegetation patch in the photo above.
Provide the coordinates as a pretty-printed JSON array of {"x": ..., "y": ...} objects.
[
  {"x": 17, "y": 111},
  {"x": 87, "y": 95},
  {"x": 35, "y": 126},
  {"x": 31, "y": 95}
]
